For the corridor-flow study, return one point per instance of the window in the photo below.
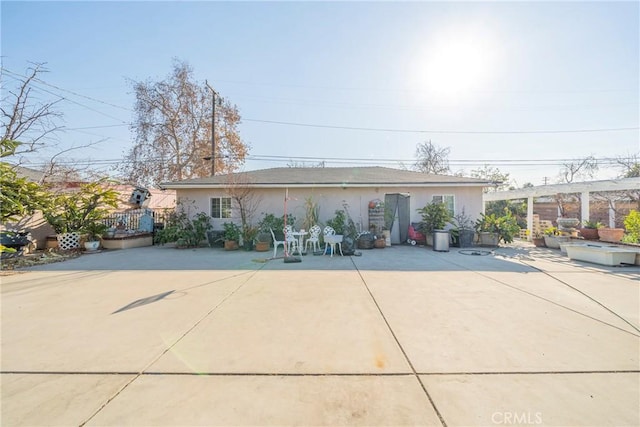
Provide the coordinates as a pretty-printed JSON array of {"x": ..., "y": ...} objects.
[
  {"x": 448, "y": 200},
  {"x": 221, "y": 207}
]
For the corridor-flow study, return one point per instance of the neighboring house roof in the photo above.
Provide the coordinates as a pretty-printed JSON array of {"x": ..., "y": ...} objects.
[
  {"x": 328, "y": 177},
  {"x": 159, "y": 199}
]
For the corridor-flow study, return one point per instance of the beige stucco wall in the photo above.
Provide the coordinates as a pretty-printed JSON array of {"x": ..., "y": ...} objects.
[{"x": 330, "y": 199}]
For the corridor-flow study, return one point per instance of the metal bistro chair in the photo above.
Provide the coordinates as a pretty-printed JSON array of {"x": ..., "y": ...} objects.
[
  {"x": 331, "y": 239},
  {"x": 314, "y": 238},
  {"x": 276, "y": 243},
  {"x": 290, "y": 239}
]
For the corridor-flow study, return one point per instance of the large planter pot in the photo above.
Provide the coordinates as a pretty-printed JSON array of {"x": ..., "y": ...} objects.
[
  {"x": 610, "y": 234},
  {"x": 92, "y": 245},
  {"x": 380, "y": 243},
  {"x": 589, "y": 233},
  {"x": 262, "y": 246},
  {"x": 465, "y": 238},
  {"x": 538, "y": 242},
  {"x": 567, "y": 223},
  {"x": 488, "y": 239},
  {"x": 230, "y": 245},
  {"x": 52, "y": 241},
  {"x": 68, "y": 241},
  {"x": 554, "y": 241}
]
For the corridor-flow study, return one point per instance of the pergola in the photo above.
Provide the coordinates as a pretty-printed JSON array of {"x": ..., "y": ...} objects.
[{"x": 584, "y": 188}]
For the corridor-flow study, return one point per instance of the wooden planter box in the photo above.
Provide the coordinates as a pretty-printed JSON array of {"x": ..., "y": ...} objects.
[{"x": 127, "y": 241}]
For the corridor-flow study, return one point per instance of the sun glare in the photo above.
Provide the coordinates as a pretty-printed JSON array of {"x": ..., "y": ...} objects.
[{"x": 454, "y": 64}]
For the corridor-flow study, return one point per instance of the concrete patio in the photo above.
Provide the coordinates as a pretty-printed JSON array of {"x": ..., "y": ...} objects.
[{"x": 398, "y": 336}]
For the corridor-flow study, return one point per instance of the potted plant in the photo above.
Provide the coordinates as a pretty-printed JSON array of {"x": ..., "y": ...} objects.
[
  {"x": 553, "y": 238},
  {"x": 613, "y": 235},
  {"x": 589, "y": 230},
  {"x": 434, "y": 218},
  {"x": 249, "y": 234},
  {"x": 231, "y": 236},
  {"x": 538, "y": 239},
  {"x": 463, "y": 233},
  {"x": 493, "y": 229},
  {"x": 68, "y": 213},
  {"x": 94, "y": 231},
  {"x": 487, "y": 228},
  {"x": 263, "y": 241}
]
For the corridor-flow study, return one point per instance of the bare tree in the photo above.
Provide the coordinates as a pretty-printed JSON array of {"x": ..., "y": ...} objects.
[
  {"x": 245, "y": 198},
  {"x": 432, "y": 158},
  {"x": 173, "y": 131},
  {"x": 585, "y": 168},
  {"x": 500, "y": 180},
  {"x": 630, "y": 165},
  {"x": 25, "y": 118}
]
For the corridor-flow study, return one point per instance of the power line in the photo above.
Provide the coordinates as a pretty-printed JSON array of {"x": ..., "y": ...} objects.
[
  {"x": 35, "y": 79},
  {"x": 342, "y": 160},
  {"x": 474, "y": 132},
  {"x": 322, "y": 126}
]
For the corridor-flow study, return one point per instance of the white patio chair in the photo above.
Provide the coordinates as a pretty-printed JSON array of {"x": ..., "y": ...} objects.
[
  {"x": 331, "y": 239},
  {"x": 290, "y": 239},
  {"x": 314, "y": 238},
  {"x": 276, "y": 243}
]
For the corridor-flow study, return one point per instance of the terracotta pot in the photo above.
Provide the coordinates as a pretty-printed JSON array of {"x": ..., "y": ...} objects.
[
  {"x": 262, "y": 246},
  {"x": 589, "y": 233},
  {"x": 230, "y": 245},
  {"x": 610, "y": 234},
  {"x": 380, "y": 243},
  {"x": 539, "y": 242}
]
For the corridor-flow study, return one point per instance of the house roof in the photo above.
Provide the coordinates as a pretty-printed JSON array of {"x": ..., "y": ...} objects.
[{"x": 328, "y": 177}]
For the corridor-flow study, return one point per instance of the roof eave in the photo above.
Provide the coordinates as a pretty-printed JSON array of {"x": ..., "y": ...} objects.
[{"x": 176, "y": 186}]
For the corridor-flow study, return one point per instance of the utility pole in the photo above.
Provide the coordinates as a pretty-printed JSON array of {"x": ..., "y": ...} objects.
[{"x": 213, "y": 129}]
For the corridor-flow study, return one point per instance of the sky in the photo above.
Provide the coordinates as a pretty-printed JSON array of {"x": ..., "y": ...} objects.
[{"x": 521, "y": 86}]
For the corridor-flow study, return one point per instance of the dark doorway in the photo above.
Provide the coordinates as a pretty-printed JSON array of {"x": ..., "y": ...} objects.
[{"x": 397, "y": 216}]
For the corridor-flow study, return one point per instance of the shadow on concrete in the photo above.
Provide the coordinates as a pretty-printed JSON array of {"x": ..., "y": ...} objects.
[{"x": 144, "y": 301}]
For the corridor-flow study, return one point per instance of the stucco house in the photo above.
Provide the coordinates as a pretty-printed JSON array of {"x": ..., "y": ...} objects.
[{"x": 332, "y": 188}]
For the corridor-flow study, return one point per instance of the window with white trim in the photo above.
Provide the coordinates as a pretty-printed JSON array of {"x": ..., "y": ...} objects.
[
  {"x": 448, "y": 200},
  {"x": 221, "y": 207}
]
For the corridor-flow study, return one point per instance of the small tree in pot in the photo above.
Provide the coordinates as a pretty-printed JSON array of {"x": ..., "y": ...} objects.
[{"x": 435, "y": 216}]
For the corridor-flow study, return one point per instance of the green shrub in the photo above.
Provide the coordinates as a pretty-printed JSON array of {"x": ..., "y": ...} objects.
[
  {"x": 506, "y": 226},
  {"x": 231, "y": 231},
  {"x": 186, "y": 232},
  {"x": 338, "y": 222},
  {"x": 632, "y": 227}
]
